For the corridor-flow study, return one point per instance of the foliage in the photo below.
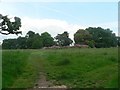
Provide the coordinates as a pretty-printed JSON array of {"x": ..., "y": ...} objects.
[
  {"x": 33, "y": 40},
  {"x": 82, "y": 36},
  {"x": 47, "y": 39},
  {"x": 91, "y": 43},
  {"x": 9, "y": 27},
  {"x": 96, "y": 37},
  {"x": 92, "y": 36},
  {"x": 103, "y": 37},
  {"x": 9, "y": 44},
  {"x": 63, "y": 39},
  {"x": 30, "y": 34},
  {"x": 21, "y": 43}
]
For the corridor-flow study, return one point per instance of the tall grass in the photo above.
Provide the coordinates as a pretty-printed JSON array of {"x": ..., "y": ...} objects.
[
  {"x": 13, "y": 63},
  {"x": 87, "y": 67},
  {"x": 82, "y": 68}
]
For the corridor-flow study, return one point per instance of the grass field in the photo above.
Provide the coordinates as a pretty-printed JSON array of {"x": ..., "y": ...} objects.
[{"x": 75, "y": 67}]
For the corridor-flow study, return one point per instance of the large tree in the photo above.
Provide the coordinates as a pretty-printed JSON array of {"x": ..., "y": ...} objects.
[
  {"x": 63, "y": 39},
  {"x": 29, "y": 38},
  {"x": 9, "y": 27},
  {"x": 37, "y": 42},
  {"x": 82, "y": 37},
  {"x": 33, "y": 40},
  {"x": 47, "y": 39},
  {"x": 103, "y": 37},
  {"x": 21, "y": 42}
]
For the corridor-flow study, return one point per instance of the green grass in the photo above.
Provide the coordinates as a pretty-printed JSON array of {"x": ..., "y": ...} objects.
[
  {"x": 87, "y": 67},
  {"x": 13, "y": 64},
  {"x": 83, "y": 68},
  {"x": 20, "y": 68}
]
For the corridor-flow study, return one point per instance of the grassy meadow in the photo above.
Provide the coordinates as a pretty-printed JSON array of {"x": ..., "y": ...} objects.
[{"x": 73, "y": 67}]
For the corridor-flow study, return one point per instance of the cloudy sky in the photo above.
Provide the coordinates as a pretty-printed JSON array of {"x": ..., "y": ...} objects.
[{"x": 57, "y": 17}]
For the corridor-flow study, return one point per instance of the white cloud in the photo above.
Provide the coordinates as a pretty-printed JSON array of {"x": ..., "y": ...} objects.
[
  {"x": 52, "y": 26},
  {"x": 55, "y": 26}
]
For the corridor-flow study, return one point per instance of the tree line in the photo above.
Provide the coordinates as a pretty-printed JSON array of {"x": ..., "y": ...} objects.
[
  {"x": 33, "y": 40},
  {"x": 92, "y": 36}
]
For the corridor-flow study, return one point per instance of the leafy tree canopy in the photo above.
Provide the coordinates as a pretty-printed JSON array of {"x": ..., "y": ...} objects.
[
  {"x": 82, "y": 36},
  {"x": 63, "y": 39},
  {"x": 103, "y": 37},
  {"x": 47, "y": 39},
  {"x": 9, "y": 27}
]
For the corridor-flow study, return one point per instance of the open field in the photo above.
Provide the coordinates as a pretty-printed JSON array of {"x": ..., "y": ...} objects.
[{"x": 75, "y": 67}]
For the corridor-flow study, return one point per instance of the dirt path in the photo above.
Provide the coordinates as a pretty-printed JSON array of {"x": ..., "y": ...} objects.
[{"x": 42, "y": 81}]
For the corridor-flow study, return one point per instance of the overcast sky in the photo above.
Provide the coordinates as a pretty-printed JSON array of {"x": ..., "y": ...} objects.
[{"x": 57, "y": 17}]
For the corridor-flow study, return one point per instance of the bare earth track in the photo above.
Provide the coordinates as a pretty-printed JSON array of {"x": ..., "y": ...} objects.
[{"x": 42, "y": 82}]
